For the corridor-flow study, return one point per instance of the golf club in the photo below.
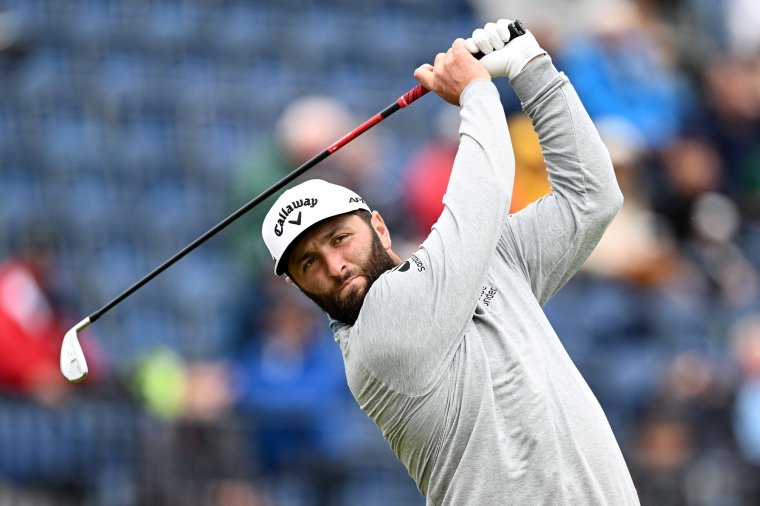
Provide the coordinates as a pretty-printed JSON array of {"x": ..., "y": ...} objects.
[{"x": 73, "y": 363}]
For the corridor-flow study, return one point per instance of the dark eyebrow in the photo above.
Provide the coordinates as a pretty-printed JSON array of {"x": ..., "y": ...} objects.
[
  {"x": 323, "y": 238},
  {"x": 332, "y": 232}
]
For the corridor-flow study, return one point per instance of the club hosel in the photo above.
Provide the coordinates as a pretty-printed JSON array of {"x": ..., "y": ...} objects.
[{"x": 84, "y": 323}]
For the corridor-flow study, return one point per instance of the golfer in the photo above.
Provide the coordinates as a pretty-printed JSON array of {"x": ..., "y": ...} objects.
[{"x": 449, "y": 351}]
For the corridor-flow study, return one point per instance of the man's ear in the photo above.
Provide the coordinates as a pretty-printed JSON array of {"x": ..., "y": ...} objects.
[
  {"x": 381, "y": 229},
  {"x": 289, "y": 281}
]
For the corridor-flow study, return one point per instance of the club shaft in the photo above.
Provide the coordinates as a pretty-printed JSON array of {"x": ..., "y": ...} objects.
[{"x": 515, "y": 28}]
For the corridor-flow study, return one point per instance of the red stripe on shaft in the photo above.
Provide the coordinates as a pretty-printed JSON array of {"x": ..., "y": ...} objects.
[{"x": 356, "y": 132}]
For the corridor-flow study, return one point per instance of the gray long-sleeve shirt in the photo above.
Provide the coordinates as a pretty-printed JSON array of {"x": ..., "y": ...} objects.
[{"x": 452, "y": 355}]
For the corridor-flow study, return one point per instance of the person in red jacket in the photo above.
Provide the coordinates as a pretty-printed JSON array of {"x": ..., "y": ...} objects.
[{"x": 31, "y": 323}]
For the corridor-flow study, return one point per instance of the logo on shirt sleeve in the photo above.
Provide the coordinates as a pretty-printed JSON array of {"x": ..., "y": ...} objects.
[
  {"x": 403, "y": 267},
  {"x": 408, "y": 264}
]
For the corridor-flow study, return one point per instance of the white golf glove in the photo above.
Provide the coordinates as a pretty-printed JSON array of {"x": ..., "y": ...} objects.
[{"x": 502, "y": 59}]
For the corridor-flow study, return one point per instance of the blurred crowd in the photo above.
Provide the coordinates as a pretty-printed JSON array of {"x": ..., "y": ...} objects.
[{"x": 128, "y": 127}]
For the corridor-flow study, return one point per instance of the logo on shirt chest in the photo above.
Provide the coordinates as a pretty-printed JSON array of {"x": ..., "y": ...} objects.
[{"x": 487, "y": 294}]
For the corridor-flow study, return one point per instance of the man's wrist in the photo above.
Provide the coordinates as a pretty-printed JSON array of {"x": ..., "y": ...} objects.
[{"x": 537, "y": 57}]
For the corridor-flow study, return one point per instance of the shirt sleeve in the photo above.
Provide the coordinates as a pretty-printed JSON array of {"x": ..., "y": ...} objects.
[
  {"x": 415, "y": 316},
  {"x": 550, "y": 239}
]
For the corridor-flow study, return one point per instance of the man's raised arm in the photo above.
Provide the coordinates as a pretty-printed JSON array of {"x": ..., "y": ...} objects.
[{"x": 550, "y": 239}]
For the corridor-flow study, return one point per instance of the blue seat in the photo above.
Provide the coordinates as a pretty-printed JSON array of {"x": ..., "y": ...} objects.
[
  {"x": 9, "y": 132},
  {"x": 243, "y": 31},
  {"x": 21, "y": 193},
  {"x": 117, "y": 264},
  {"x": 41, "y": 77},
  {"x": 85, "y": 25},
  {"x": 142, "y": 327}
]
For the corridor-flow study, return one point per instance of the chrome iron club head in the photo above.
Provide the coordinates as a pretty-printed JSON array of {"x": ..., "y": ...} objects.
[{"x": 73, "y": 363}]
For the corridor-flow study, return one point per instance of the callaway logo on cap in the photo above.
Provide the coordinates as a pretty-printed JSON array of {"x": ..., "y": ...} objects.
[{"x": 301, "y": 207}]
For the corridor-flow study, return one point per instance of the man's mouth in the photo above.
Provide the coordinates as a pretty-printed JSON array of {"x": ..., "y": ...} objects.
[{"x": 348, "y": 283}]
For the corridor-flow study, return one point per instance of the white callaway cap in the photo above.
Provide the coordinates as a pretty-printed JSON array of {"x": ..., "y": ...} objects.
[{"x": 301, "y": 207}]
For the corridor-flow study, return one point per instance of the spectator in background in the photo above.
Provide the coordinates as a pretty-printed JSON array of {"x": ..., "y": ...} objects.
[
  {"x": 428, "y": 171},
  {"x": 290, "y": 387},
  {"x": 664, "y": 447},
  {"x": 49, "y": 449},
  {"x": 735, "y": 281},
  {"x": 642, "y": 298},
  {"x": 624, "y": 71},
  {"x": 732, "y": 121},
  {"x": 531, "y": 179},
  {"x": 554, "y": 20},
  {"x": 745, "y": 349},
  {"x": 427, "y": 175},
  {"x": 635, "y": 248},
  {"x": 684, "y": 449},
  {"x": 690, "y": 167},
  {"x": 289, "y": 384},
  {"x": 728, "y": 27},
  {"x": 307, "y": 127},
  {"x": 742, "y": 19},
  {"x": 721, "y": 47},
  {"x": 707, "y": 223},
  {"x": 33, "y": 321}
]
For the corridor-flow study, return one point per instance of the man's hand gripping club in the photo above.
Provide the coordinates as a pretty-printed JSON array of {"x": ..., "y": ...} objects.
[
  {"x": 504, "y": 55},
  {"x": 454, "y": 70},
  {"x": 451, "y": 72}
]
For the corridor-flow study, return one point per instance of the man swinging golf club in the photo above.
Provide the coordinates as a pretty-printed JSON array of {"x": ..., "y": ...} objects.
[{"x": 449, "y": 351}]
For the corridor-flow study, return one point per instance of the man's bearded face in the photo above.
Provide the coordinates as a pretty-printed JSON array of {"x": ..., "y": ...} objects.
[{"x": 338, "y": 268}]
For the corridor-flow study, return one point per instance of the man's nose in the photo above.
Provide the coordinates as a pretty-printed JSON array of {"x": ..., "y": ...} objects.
[{"x": 335, "y": 263}]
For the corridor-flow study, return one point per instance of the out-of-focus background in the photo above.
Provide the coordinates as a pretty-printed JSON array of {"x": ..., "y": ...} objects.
[{"x": 129, "y": 127}]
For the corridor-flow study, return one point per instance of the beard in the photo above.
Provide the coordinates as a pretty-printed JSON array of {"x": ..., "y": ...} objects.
[{"x": 346, "y": 308}]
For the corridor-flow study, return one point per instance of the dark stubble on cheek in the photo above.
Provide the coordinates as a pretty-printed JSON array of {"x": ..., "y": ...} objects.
[{"x": 346, "y": 309}]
